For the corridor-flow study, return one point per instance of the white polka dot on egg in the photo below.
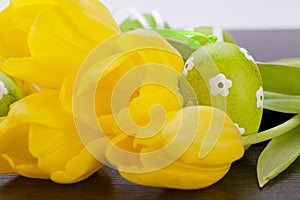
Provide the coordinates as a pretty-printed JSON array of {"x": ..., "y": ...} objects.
[
  {"x": 259, "y": 97},
  {"x": 3, "y": 90},
  {"x": 241, "y": 130},
  {"x": 188, "y": 66},
  {"x": 247, "y": 55},
  {"x": 220, "y": 85}
]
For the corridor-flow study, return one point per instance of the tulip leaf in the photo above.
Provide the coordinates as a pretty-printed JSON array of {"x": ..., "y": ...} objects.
[
  {"x": 282, "y": 102},
  {"x": 280, "y": 78},
  {"x": 289, "y": 61},
  {"x": 280, "y": 153},
  {"x": 183, "y": 48}
]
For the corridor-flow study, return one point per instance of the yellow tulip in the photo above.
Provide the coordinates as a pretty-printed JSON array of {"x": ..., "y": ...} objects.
[
  {"x": 41, "y": 141},
  {"x": 56, "y": 37},
  {"x": 172, "y": 157}
]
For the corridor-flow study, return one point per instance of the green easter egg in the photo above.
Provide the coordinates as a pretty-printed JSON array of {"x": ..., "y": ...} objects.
[
  {"x": 225, "y": 76},
  {"x": 9, "y": 93}
]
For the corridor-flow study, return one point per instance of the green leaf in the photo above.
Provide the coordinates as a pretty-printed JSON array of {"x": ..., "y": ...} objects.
[
  {"x": 183, "y": 48},
  {"x": 279, "y": 78},
  {"x": 289, "y": 61},
  {"x": 282, "y": 102},
  {"x": 280, "y": 153}
]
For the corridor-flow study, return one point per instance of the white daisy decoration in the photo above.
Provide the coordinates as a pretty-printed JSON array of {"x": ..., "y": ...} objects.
[
  {"x": 241, "y": 129},
  {"x": 220, "y": 85},
  {"x": 188, "y": 66},
  {"x": 260, "y": 97},
  {"x": 3, "y": 90},
  {"x": 247, "y": 55}
]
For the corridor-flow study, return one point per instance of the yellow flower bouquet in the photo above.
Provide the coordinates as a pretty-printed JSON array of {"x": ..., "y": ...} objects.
[{"x": 166, "y": 108}]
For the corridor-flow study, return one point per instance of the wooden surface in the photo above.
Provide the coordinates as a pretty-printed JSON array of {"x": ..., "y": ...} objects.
[{"x": 239, "y": 183}]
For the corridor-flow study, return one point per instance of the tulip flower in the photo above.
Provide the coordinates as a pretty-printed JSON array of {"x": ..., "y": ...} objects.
[
  {"x": 41, "y": 141},
  {"x": 173, "y": 157},
  {"x": 55, "y": 37}
]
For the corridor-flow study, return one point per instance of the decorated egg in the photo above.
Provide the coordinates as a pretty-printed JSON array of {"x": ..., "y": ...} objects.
[
  {"x": 225, "y": 76},
  {"x": 9, "y": 93}
]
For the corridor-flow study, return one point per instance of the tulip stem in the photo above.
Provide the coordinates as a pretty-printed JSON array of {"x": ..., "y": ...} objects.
[{"x": 273, "y": 132}]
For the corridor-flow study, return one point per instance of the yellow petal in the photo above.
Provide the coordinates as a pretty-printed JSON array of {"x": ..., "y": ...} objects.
[
  {"x": 42, "y": 108},
  {"x": 142, "y": 39},
  {"x": 217, "y": 136},
  {"x": 121, "y": 152},
  {"x": 82, "y": 165},
  {"x": 107, "y": 123},
  {"x": 47, "y": 72},
  {"x": 2, "y": 119},
  {"x": 15, "y": 22},
  {"x": 197, "y": 129},
  {"x": 87, "y": 87},
  {"x": 78, "y": 83},
  {"x": 146, "y": 46},
  {"x": 14, "y": 149},
  {"x": 120, "y": 78},
  {"x": 5, "y": 168},
  {"x": 53, "y": 147},
  {"x": 13, "y": 43},
  {"x": 13, "y": 39},
  {"x": 70, "y": 29},
  {"x": 140, "y": 107},
  {"x": 13, "y": 131},
  {"x": 108, "y": 82},
  {"x": 24, "y": 11},
  {"x": 178, "y": 176},
  {"x": 166, "y": 58},
  {"x": 66, "y": 92},
  {"x": 29, "y": 8},
  {"x": 24, "y": 168},
  {"x": 21, "y": 154}
]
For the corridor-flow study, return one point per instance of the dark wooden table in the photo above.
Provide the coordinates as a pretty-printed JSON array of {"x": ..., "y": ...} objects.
[{"x": 239, "y": 183}]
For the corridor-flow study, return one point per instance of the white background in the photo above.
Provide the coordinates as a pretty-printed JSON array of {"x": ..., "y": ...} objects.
[{"x": 229, "y": 14}]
